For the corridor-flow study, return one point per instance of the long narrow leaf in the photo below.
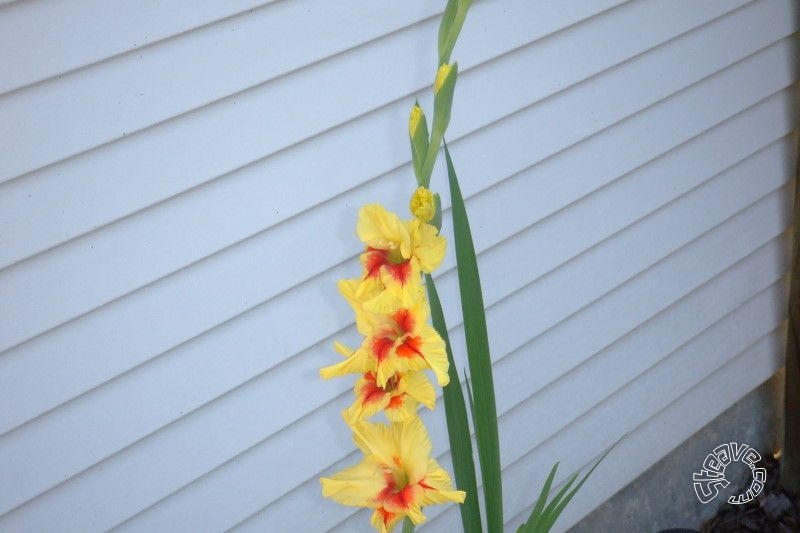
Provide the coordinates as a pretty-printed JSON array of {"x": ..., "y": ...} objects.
[
  {"x": 560, "y": 501},
  {"x": 469, "y": 395},
  {"x": 549, "y": 516},
  {"x": 528, "y": 526},
  {"x": 408, "y": 525},
  {"x": 457, "y": 424},
  {"x": 480, "y": 363},
  {"x": 562, "y": 504}
]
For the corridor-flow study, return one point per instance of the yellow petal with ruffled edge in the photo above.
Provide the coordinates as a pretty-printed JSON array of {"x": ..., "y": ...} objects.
[
  {"x": 438, "y": 487},
  {"x": 358, "y": 362},
  {"x": 434, "y": 351},
  {"x": 427, "y": 246},
  {"x": 415, "y": 449},
  {"x": 357, "y": 292},
  {"x": 355, "y": 486},
  {"x": 376, "y": 440},
  {"x": 383, "y": 230},
  {"x": 418, "y": 386}
]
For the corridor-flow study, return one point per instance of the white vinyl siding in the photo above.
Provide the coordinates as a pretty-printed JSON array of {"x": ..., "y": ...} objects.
[{"x": 178, "y": 196}]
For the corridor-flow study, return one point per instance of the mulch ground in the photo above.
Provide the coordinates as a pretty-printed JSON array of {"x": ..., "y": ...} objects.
[{"x": 774, "y": 510}]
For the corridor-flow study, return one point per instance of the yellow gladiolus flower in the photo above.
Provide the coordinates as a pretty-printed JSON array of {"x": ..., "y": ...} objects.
[
  {"x": 423, "y": 204},
  {"x": 399, "y": 398},
  {"x": 399, "y": 342},
  {"x": 396, "y": 253},
  {"x": 397, "y": 476}
]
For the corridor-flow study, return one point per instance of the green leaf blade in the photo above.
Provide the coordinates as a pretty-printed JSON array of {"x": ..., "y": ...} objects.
[
  {"x": 480, "y": 363},
  {"x": 536, "y": 514},
  {"x": 457, "y": 423}
]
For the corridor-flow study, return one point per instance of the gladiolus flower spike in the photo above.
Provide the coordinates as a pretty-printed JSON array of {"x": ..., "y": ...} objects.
[{"x": 397, "y": 477}]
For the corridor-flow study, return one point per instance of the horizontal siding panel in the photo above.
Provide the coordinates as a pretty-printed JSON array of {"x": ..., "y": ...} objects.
[
  {"x": 661, "y": 434},
  {"x": 634, "y": 405},
  {"x": 599, "y": 327},
  {"x": 121, "y": 93},
  {"x": 722, "y": 197},
  {"x": 46, "y": 31},
  {"x": 18, "y": 374},
  {"x": 30, "y": 368},
  {"x": 349, "y": 164},
  {"x": 612, "y": 317},
  {"x": 541, "y": 417},
  {"x": 714, "y": 299},
  {"x": 183, "y": 432},
  {"x": 571, "y": 279},
  {"x": 614, "y": 368},
  {"x": 166, "y": 327},
  {"x": 69, "y": 292},
  {"x": 322, "y": 426}
]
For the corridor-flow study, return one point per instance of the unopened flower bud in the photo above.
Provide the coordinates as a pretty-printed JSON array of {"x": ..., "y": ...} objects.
[
  {"x": 423, "y": 204},
  {"x": 414, "y": 120},
  {"x": 441, "y": 77}
]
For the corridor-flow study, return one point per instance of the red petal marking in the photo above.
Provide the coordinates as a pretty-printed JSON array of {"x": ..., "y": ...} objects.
[
  {"x": 425, "y": 485},
  {"x": 407, "y": 495},
  {"x": 404, "y": 320},
  {"x": 390, "y": 488},
  {"x": 396, "y": 498},
  {"x": 396, "y": 402},
  {"x": 410, "y": 348},
  {"x": 373, "y": 261},
  {"x": 370, "y": 390},
  {"x": 386, "y": 516},
  {"x": 381, "y": 347},
  {"x": 400, "y": 272}
]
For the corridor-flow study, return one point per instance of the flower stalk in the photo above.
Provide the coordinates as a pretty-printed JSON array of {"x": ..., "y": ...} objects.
[{"x": 397, "y": 477}]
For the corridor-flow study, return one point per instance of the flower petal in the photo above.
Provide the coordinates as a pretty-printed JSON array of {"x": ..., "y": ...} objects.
[
  {"x": 376, "y": 440},
  {"x": 427, "y": 245},
  {"x": 358, "y": 363},
  {"x": 381, "y": 229},
  {"x": 415, "y": 449},
  {"x": 356, "y": 486},
  {"x": 433, "y": 350},
  {"x": 417, "y": 385},
  {"x": 384, "y": 521},
  {"x": 438, "y": 486}
]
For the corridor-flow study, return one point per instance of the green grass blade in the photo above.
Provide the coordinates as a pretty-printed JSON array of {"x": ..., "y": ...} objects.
[
  {"x": 549, "y": 515},
  {"x": 480, "y": 363},
  {"x": 535, "y": 516},
  {"x": 560, "y": 502},
  {"x": 457, "y": 424}
]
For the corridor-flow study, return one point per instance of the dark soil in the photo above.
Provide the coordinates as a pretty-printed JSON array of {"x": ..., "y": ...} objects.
[{"x": 774, "y": 510}]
